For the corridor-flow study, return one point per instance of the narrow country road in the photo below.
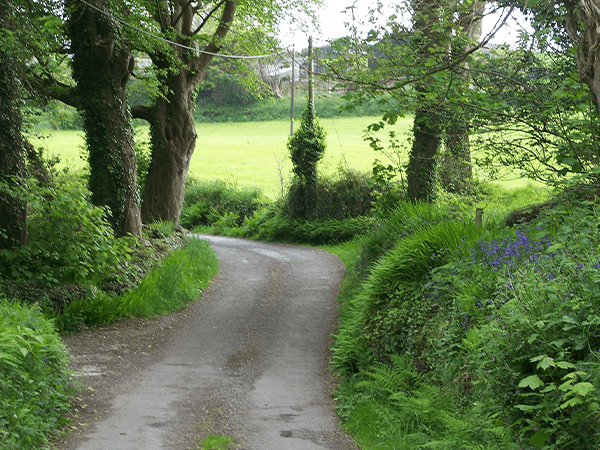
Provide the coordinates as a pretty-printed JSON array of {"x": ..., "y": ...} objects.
[{"x": 250, "y": 362}]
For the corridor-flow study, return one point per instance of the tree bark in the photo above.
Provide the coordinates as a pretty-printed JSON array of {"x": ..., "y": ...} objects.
[
  {"x": 455, "y": 169},
  {"x": 427, "y": 126},
  {"x": 13, "y": 206},
  {"x": 582, "y": 25},
  {"x": 173, "y": 137},
  {"x": 421, "y": 171},
  {"x": 172, "y": 128},
  {"x": 101, "y": 66}
]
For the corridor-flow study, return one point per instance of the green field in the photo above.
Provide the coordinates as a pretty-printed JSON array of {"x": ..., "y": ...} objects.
[
  {"x": 249, "y": 153},
  {"x": 255, "y": 153}
]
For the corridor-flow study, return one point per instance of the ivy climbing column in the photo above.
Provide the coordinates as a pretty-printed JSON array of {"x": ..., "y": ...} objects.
[
  {"x": 13, "y": 208},
  {"x": 102, "y": 65}
]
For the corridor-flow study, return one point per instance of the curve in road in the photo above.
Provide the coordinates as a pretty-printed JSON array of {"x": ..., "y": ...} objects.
[{"x": 252, "y": 364}]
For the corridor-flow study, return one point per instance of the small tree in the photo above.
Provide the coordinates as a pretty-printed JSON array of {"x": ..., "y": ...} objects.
[{"x": 306, "y": 146}]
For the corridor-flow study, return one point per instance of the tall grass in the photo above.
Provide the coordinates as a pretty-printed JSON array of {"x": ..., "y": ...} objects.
[{"x": 181, "y": 279}]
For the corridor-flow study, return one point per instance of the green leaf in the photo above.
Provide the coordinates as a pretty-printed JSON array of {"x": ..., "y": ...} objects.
[
  {"x": 540, "y": 438},
  {"x": 527, "y": 408},
  {"x": 532, "y": 381},
  {"x": 565, "y": 365},
  {"x": 573, "y": 401},
  {"x": 553, "y": 248},
  {"x": 583, "y": 388},
  {"x": 544, "y": 361}
]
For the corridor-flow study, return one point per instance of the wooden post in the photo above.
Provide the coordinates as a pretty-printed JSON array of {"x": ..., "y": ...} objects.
[{"x": 478, "y": 216}]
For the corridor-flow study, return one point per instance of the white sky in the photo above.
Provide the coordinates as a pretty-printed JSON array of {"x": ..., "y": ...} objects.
[{"x": 331, "y": 18}]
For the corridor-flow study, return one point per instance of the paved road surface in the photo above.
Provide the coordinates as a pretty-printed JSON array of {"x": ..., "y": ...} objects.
[{"x": 252, "y": 362}]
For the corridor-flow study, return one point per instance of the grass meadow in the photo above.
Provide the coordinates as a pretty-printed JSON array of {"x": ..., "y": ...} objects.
[
  {"x": 247, "y": 153},
  {"x": 254, "y": 154}
]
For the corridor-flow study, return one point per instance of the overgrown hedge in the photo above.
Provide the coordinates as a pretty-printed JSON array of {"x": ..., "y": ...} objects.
[{"x": 466, "y": 337}]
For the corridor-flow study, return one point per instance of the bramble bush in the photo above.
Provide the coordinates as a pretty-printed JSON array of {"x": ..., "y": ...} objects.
[{"x": 35, "y": 383}]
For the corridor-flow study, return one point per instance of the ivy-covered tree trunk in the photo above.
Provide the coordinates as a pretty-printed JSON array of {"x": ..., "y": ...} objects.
[
  {"x": 172, "y": 128},
  {"x": 420, "y": 174},
  {"x": 102, "y": 65},
  {"x": 454, "y": 163},
  {"x": 429, "y": 37},
  {"x": 454, "y": 168},
  {"x": 13, "y": 207},
  {"x": 306, "y": 146}
]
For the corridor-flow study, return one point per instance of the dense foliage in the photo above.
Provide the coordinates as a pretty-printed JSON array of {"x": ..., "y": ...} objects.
[
  {"x": 470, "y": 337},
  {"x": 34, "y": 380},
  {"x": 306, "y": 147},
  {"x": 70, "y": 240},
  {"x": 218, "y": 203}
]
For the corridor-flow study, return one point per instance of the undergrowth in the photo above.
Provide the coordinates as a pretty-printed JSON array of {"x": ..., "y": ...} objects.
[
  {"x": 180, "y": 279},
  {"x": 455, "y": 336},
  {"x": 35, "y": 384}
]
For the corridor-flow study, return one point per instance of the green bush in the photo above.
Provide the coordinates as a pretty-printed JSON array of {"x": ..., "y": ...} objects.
[
  {"x": 207, "y": 203},
  {"x": 345, "y": 195},
  {"x": 333, "y": 231},
  {"x": 69, "y": 240},
  {"x": 35, "y": 388}
]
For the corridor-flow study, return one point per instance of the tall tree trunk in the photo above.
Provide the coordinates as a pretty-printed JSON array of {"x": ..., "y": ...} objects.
[
  {"x": 102, "y": 66},
  {"x": 427, "y": 128},
  {"x": 454, "y": 168},
  {"x": 172, "y": 128},
  {"x": 13, "y": 207},
  {"x": 173, "y": 135},
  {"x": 421, "y": 176}
]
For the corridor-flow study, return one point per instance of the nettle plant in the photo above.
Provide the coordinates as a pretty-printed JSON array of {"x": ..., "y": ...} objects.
[{"x": 525, "y": 329}]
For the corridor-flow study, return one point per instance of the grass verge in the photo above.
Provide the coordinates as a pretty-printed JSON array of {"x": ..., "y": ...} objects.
[{"x": 179, "y": 280}]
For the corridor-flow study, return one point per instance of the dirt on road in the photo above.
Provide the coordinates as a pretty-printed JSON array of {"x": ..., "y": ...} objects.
[{"x": 248, "y": 360}]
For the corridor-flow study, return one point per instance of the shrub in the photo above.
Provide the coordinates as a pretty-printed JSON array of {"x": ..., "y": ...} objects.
[
  {"x": 206, "y": 203},
  {"x": 69, "y": 240},
  {"x": 333, "y": 231},
  {"x": 345, "y": 195},
  {"x": 34, "y": 380}
]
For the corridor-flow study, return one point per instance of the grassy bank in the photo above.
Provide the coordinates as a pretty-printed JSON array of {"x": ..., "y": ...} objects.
[{"x": 455, "y": 336}]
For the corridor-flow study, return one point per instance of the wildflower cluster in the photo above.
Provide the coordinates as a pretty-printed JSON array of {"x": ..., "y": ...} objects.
[{"x": 510, "y": 251}]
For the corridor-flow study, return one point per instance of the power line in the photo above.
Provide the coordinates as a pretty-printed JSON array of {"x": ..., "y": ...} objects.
[{"x": 176, "y": 43}]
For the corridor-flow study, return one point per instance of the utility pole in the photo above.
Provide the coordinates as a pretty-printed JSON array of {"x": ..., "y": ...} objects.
[
  {"x": 311, "y": 96},
  {"x": 293, "y": 90}
]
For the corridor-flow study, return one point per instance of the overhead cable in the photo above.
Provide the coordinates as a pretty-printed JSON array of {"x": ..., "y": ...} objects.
[{"x": 176, "y": 43}]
